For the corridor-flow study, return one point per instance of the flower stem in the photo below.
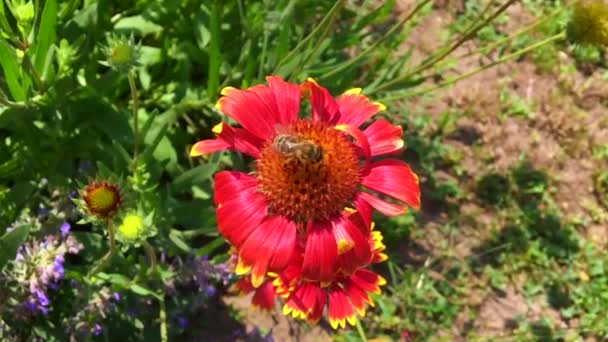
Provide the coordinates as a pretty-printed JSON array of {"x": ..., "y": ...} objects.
[
  {"x": 105, "y": 261},
  {"x": 501, "y": 60},
  {"x": 445, "y": 51},
  {"x": 329, "y": 16},
  {"x": 151, "y": 255},
  {"x": 133, "y": 88},
  {"x": 504, "y": 40},
  {"x": 361, "y": 331},
  {"x": 389, "y": 33},
  {"x": 163, "y": 320}
]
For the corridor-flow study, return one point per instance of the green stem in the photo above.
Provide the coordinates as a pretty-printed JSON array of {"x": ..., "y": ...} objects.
[
  {"x": 501, "y": 60},
  {"x": 361, "y": 331},
  {"x": 151, "y": 255},
  {"x": 502, "y": 41},
  {"x": 313, "y": 33},
  {"x": 390, "y": 32},
  {"x": 133, "y": 88},
  {"x": 446, "y": 51},
  {"x": 163, "y": 320},
  {"x": 105, "y": 261}
]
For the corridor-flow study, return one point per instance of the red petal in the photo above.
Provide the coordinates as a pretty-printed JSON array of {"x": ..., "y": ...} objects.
[
  {"x": 359, "y": 254},
  {"x": 384, "y": 138},
  {"x": 240, "y": 208},
  {"x": 324, "y": 106},
  {"x": 269, "y": 247},
  {"x": 320, "y": 254},
  {"x": 367, "y": 280},
  {"x": 287, "y": 96},
  {"x": 306, "y": 302},
  {"x": 364, "y": 211},
  {"x": 228, "y": 138},
  {"x": 358, "y": 296},
  {"x": 355, "y": 109},
  {"x": 394, "y": 178},
  {"x": 339, "y": 309},
  {"x": 264, "y": 296},
  {"x": 244, "y": 285},
  {"x": 209, "y": 146},
  {"x": 389, "y": 209},
  {"x": 255, "y": 109}
]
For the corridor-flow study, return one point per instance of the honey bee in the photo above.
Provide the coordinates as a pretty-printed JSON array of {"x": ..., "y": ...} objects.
[{"x": 298, "y": 148}]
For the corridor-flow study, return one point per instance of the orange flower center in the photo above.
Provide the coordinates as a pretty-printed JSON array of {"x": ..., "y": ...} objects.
[{"x": 308, "y": 172}]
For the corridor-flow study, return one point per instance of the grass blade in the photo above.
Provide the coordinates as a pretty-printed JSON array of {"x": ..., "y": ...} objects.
[
  {"x": 12, "y": 71},
  {"x": 46, "y": 34}
]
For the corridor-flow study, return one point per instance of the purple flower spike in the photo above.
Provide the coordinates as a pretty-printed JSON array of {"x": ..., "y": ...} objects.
[{"x": 65, "y": 229}]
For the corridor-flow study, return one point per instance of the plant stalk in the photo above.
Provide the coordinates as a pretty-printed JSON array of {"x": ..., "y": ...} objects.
[
  {"x": 361, "y": 331},
  {"x": 135, "y": 106},
  {"x": 501, "y": 60},
  {"x": 106, "y": 260},
  {"x": 446, "y": 51},
  {"x": 389, "y": 33}
]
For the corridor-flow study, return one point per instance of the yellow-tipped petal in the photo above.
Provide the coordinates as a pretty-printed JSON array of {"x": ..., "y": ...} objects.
[
  {"x": 242, "y": 268},
  {"x": 286, "y": 310},
  {"x": 353, "y": 91},
  {"x": 352, "y": 320},
  {"x": 217, "y": 129},
  {"x": 194, "y": 152},
  {"x": 333, "y": 323},
  {"x": 226, "y": 90},
  {"x": 257, "y": 279},
  {"x": 344, "y": 246},
  {"x": 312, "y": 80},
  {"x": 381, "y": 106}
]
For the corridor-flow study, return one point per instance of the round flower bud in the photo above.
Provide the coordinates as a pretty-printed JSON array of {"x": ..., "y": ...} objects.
[
  {"x": 102, "y": 199},
  {"x": 132, "y": 227},
  {"x": 589, "y": 22}
]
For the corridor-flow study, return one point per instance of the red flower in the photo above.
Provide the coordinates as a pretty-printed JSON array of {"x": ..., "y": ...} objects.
[
  {"x": 345, "y": 296},
  {"x": 308, "y": 170}
]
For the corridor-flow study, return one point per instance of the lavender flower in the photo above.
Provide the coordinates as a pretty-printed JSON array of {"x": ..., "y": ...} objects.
[
  {"x": 204, "y": 274},
  {"x": 88, "y": 320},
  {"x": 39, "y": 266},
  {"x": 65, "y": 229}
]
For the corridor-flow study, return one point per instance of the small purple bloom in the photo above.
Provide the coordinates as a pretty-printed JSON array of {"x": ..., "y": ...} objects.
[
  {"x": 182, "y": 322},
  {"x": 97, "y": 329},
  {"x": 211, "y": 291},
  {"x": 116, "y": 296},
  {"x": 73, "y": 194},
  {"x": 65, "y": 229},
  {"x": 10, "y": 229}
]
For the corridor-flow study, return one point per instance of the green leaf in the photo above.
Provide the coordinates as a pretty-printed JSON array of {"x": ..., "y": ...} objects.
[
  {"x": 10, "y": 242},
  {"x": 193, "y": 176},
  {"x": 138, "y": 23},
  {"x": 12, "y": 71},
  {"x": 46, "y": 34},
  {"x": 5, "y": 28},
  {"x": 215, "y": 58},
  {"x": 140, "y": 290},
  {"x": 176, "y": 237},
  {"x": 211, "y": 246}
]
